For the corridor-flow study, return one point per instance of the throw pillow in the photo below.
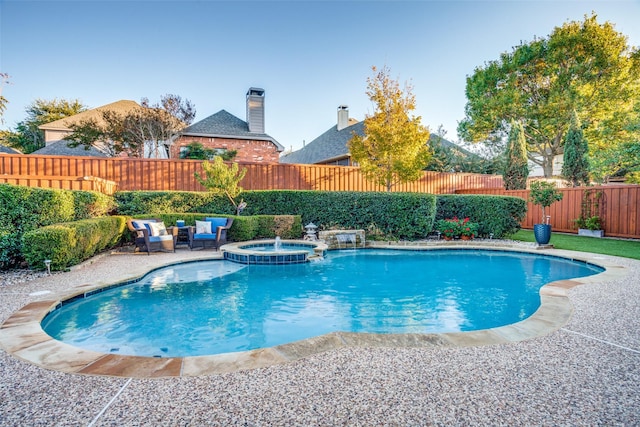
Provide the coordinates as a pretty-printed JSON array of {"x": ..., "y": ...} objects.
[
  {"x": 203, "y": 227},
  {"x": 216, "y": 222},
  {"x": 157, "y": 228}
]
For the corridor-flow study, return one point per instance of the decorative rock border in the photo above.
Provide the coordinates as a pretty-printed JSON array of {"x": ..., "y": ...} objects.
[{"x": 22, "y": 336}]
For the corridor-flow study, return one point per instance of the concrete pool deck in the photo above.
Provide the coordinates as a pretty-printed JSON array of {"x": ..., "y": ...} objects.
[{"x": 584, "y": 371}]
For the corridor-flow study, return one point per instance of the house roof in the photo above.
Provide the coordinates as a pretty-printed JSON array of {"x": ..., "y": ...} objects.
[
  {"x": 333, "y": 145},
  {"x": 8, "y": 150},
  {"x": 60, "y": 148},
  {"x": 225, "y": 125},
  {"x": 122, "y": 106},
  {"x": 329, "y": 145}
]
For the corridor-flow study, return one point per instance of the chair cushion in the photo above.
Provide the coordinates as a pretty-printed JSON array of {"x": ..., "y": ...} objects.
[
  {"x": 164, "y": 238},
  {"x": 216, "y": 222},
  {"x": 157, "y": 229},
  {"x": 143, "y": 223},
  {"x": 203, "y": 227},
  {"x": 204, "y": 236}
]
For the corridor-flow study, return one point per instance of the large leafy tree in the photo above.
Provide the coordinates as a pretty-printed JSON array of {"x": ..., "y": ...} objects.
[
  {"x": 394, "y": 147},
  {"x": 575, "y": 167},
  {"x": 583, "y": 66},
  {"x": 27, "y": 137},
  {"x": 150, "y": 126},
  {"x": 517, "y": 168}
]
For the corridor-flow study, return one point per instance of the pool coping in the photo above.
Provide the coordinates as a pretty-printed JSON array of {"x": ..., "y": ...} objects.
[
  {"x": 244, "y": 252},
  {"x": 21, "y": 335}
]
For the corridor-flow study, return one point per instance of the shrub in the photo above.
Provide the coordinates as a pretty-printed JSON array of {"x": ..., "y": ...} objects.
[
  {"x": 160, "y": 202},
  {"x": 91, "y": 204},
  {"x": 394, "y": 215},
  {"x": 398, "y": 215},
  {"x": 455, "y": 227},
  {"x": 497, "y": 215},
  {"x": 24, "y": 208},
  {"x": 70, "y": 243}
]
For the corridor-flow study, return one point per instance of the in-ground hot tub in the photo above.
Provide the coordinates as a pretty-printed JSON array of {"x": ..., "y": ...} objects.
[{"x": 273, "y": 251}]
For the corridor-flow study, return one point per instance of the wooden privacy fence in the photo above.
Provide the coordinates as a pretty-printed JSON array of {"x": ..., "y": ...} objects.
[
  {"x": 62, "y": 182},
  {"x": 174, "y": 174},
  {"x": 619, "y": 208}
]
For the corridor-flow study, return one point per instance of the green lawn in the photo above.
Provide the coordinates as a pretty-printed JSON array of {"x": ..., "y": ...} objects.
[{"x": 623, "y": 248}]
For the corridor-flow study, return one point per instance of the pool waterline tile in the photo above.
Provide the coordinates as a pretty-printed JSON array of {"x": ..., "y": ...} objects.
[{"x": 40, "y": 349}]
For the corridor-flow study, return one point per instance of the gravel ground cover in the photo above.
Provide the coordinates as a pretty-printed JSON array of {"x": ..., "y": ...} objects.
[{"x": 586, "y": 373}]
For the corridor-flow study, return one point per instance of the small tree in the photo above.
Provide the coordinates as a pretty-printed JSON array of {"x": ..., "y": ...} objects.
[
  {"x": 517, "y": 170},
  {"x": 544, "y": 193},
  {"x": 575, "y": 168},
  {"x": 221, "y": 179},
  {"x": 394, "y": 148}
]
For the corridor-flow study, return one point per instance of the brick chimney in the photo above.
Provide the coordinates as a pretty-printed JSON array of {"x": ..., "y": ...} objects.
[
  {"x": 255, "y": 110},
  {"x": 343, "y": 117}
]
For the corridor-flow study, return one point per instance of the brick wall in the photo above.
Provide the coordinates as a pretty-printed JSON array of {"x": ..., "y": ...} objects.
[{"x": 248, "y": 150}]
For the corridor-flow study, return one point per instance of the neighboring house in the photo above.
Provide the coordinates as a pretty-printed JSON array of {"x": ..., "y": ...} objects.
[
  {"x": 54, "y": 133},
  {"x": 331, "y": 148},
  {"x": 223, "y": 131},
  {"x": 8, "y": 150}
]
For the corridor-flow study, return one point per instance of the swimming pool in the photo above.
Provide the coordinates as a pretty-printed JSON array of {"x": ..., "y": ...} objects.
[{"x": 219, "y": 307}]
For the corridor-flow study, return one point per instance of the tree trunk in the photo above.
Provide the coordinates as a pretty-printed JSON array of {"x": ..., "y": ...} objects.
[{"x": 547, "y": 166}]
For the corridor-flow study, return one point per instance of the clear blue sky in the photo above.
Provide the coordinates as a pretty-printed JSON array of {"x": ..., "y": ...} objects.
[{"x": 309, "y": 56}]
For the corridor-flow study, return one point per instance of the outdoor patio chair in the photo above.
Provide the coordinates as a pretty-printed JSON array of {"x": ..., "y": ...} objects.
[
  {"x": 212, "y": 232},
  {"x": 151, "y": 235}
]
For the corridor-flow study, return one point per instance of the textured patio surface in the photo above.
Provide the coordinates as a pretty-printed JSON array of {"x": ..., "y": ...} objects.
[{"x": 585, "y": 373}]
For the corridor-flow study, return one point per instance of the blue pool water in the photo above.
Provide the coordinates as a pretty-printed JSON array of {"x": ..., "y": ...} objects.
[{"x": 218, "y": 306}]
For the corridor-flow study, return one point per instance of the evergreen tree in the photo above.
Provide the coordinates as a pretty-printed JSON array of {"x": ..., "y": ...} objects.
[
  {"x": 576, "y": 165},
  {"x": 517, "y": 170}
]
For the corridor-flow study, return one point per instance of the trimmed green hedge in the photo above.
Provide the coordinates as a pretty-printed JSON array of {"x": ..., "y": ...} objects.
[
  {"x": 243, "y": 227},
  {"x": 159, "y": 202},
  {"x": 393, "y": 215},
  {"x": 70, "y": 243},
  {"x": 24, "y": 208},
  {"x": 500, "y": 215},
  {"x": 397, "y": 215}
]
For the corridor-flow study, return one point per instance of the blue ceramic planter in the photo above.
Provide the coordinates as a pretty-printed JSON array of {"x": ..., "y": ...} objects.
[{"x": 542, "y": 233}]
